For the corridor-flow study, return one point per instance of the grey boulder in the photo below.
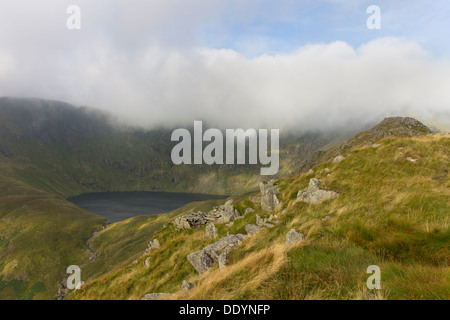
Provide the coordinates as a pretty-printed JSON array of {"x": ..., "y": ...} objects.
[
  {"x": 313, "y": 193},
  {"x": 293, "y": 237},
  {"x": 269, "y": 196},
  {"x": 203, "y": 259}
]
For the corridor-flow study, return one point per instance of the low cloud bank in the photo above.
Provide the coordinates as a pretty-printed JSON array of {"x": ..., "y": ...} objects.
[{"x": 319, "y": 86}]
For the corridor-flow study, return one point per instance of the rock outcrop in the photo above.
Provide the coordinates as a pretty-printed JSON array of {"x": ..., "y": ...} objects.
[
  {"x": 192, "y": 220},
  {"x": 338, "y": 159},
  {"x": 154, "y": 244},
  {"x": 395, "y": 126},
  {"x": 293, "y": 237},
  {"x": 225, "y": 213},
  {"x": 200, "y": 260},
  {"x": 269, "y": 196},
  {"x": 223, "y": 259},
  {"x": 203, "y": 260},
  {"x": 260, "y": 222},
  {"x": 211, "y": 230},
  {"x": 313, "y": 193}
]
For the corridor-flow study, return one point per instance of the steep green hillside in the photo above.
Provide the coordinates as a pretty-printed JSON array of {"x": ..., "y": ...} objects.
[
  {"x": 65, "y": 150},
  {"x": 40, "y": 235},
  {"x": 50, "y": 150},
  {"x": 392, "y": 211}
]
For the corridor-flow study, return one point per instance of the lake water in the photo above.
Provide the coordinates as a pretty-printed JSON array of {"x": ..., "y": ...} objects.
[{"x": 117, "y": 206}]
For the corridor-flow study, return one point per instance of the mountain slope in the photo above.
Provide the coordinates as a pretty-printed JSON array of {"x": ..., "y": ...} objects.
[
  {"x": 392, "y": 211},
  {"x": 66, "y": 150},
  {"x": 40, "y": 235},
  {"x": 50, "y": 150}
]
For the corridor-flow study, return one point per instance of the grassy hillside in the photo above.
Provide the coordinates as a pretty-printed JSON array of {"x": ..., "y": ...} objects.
[
  {"x": 66, "y": 150},
  {"x": 40, "y": 235},
  {"x": 390, "y": 212},
  {"x": 50, "y": 150}
]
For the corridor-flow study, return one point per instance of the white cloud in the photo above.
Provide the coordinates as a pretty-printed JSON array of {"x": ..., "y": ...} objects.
[
  {"x": 316, "y": 86},
  {"x": 146, "y": 65}
]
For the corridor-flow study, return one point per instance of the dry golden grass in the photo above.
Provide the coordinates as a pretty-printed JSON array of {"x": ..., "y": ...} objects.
[
  {"x": 255, "y": 268},
  {"x": 389, "y": 212}
]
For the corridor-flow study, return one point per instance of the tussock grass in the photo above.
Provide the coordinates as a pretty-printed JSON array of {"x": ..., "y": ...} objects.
[{"x": 390, "y": 212}]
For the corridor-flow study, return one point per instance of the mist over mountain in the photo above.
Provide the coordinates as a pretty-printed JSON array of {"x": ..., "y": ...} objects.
[
  {"x": 165, "y": 64},
  {"x": 317, "y": 87},
  {"x": 94, "y": 151}
]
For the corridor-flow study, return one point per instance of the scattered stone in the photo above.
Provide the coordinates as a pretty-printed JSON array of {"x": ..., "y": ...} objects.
[
  {"x": 311, "y": 171},
  {"x": 200, "y": 260},
  {"x": 192, "y": 220},
  {"x": 186, "y": 286},
  {"x": 225, "y": 213},
  {"x": 147, "y": 262},
  {"x": 211, "y": 230},
  {"x": 157, "y": 296},
  {"x": 293, "y": 237},
  {"x": 227, "y": 243},
  {"x": 229, "y": 225},
  {"x": 252, "y": 229},
  {"x": 249, "y": 210},
  {"x": 327, "y": 170},
  {"x": 269, "y": 196},
  {"x": 221, "y": 214},
  {"x": 313, "y": 193},
  {"x": 376, "y": 145},
  {"x": 338, "y": 159},
  {"x": 203, "y": 260},
  {"x": 259, "y": 221},
  {"x": 152, "y": 245},
  {"x": 314, "y": 183},
  {"x": 411, "y": 159},
  {"x": 327, "y": 218}
]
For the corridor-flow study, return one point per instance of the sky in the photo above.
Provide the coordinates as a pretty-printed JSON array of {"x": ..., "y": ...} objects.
[{"x": 240, "y": 64}]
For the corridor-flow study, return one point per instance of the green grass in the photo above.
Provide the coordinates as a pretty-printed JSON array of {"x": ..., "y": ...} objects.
[{"x": 390, "y": 213}]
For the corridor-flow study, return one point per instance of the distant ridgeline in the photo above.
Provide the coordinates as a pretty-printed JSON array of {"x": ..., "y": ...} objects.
[{"x": 83, "y": 147}]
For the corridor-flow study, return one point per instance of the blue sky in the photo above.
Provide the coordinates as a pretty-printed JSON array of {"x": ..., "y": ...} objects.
[{"x": 276, "y": 28}]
